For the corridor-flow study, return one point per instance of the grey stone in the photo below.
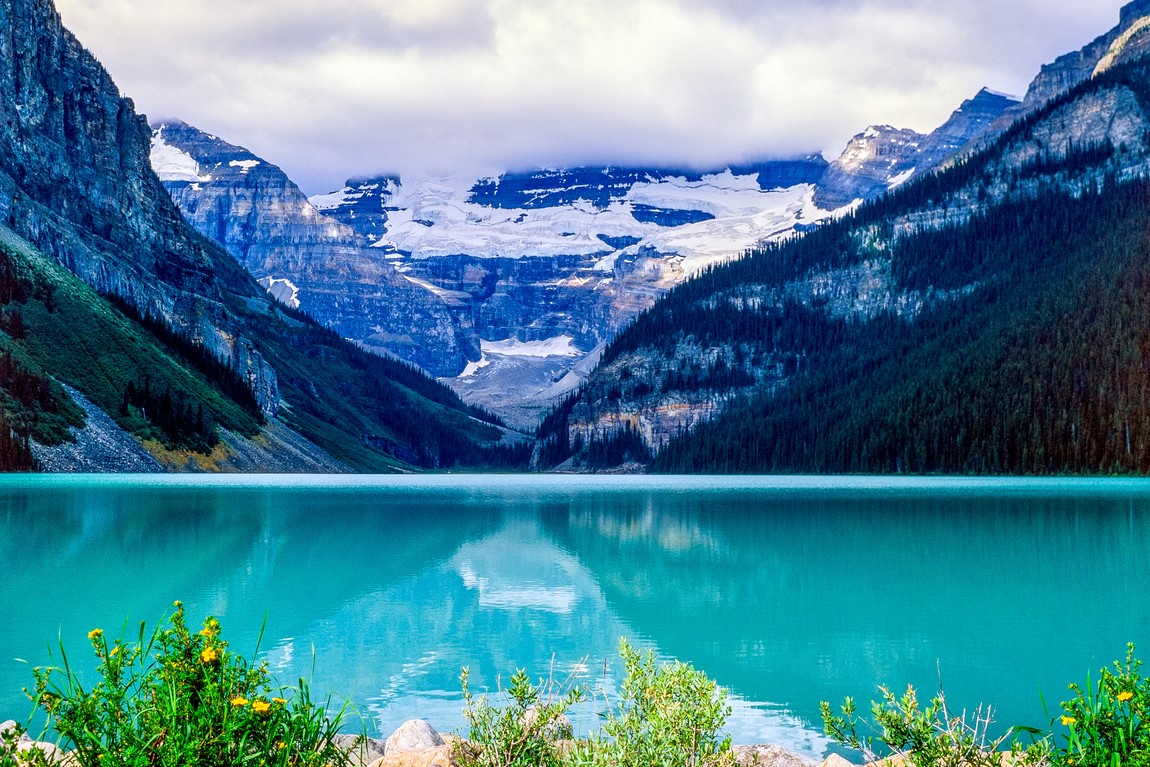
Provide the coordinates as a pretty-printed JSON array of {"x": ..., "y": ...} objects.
[
  {"x": 413, "y": 735},
  {"x": 559, "y": 728},
  {"x": 769, "y": 756},
  {"x": 361, "y": 750}
]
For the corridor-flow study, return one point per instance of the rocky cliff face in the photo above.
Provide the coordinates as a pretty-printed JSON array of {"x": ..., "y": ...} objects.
[
  {"x": 77, "y": 189},
  {"x": 1129, "y": 40},
  {"x": 883, "y": 158},
  {"x": 75, "y": 181},
  {"x": 1125, "y": 42},
  {"x": 308, "y": 260}
]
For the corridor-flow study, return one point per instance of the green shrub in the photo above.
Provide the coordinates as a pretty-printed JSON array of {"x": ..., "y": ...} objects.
[
  {"x": 669, "y": 715},
  {"x": 925, "y": 737},
  {"x": 1108, "y": 724},
  {"x": 183, "y": 699},
  {"x": 520, "y": 734}
]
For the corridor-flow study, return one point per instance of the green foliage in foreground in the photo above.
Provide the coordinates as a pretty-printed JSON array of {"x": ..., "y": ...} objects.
[
  {"x": 1106, "y": 724},
  {"x": 183, "y": 699},
  {"x": 179, "y": 699},
  {"x": 669, "y": 715}
]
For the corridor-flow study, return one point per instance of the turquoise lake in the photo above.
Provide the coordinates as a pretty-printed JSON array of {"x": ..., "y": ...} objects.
[{"x": 786, "y": 591}]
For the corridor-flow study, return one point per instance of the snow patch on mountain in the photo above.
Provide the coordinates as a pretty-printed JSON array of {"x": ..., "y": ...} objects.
[
  {"x": 900, "y": 179},
  {"x": 282, "y": 289},
  {"x": 560, "y": 346},
  {"x": 172, "y": 164}
]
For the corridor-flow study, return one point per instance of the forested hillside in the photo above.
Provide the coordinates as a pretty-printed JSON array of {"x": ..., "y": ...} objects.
[
  {"x": 991, "y": 318},
  {"x": 1044, "y": 367}
]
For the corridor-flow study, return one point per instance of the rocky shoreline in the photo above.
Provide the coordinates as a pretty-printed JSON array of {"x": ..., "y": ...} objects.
[{"x": 417, "y": 744}]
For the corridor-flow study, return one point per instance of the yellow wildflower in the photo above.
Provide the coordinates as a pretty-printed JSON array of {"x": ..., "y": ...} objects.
[
  {"x": 239, "y": 701},
  {"x": 261, "y": 706},
  {"x": 1125, "y": 695},
  {"x": 209, "y": 654},
  {"x": 280, "y": 745},
  {"x": 115, "y": 650},
  {"x": 95, "y": 634},
  {"x": 1068, "y": 720}
]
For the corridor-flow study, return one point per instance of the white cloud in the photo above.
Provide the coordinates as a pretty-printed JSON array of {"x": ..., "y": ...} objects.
[{"x": 349, "y": 87}]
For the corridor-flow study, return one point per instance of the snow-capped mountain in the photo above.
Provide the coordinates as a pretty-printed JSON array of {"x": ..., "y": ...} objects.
[
  {"x": 251, "y": 208},
  {"x": 508, "y": 286},
  {"x": 554, "y": 262},
  {"x": 582, "y": 212}
]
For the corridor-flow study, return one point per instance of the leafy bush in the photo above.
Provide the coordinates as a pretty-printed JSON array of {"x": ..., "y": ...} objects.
[
  {"x": 669, "y": 715},
  {"x": 521, "y": 734},
  {"x": 1106, "y": 724},
  {"x": 12, "y": 755},
  {"x": 924, "y": 737},
  {"x": 1109, "y": 723},
  {"x": 183, "y": 698}
]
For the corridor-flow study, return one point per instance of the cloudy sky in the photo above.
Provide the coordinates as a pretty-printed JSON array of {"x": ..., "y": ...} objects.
[{"x": 335, "y": 88}]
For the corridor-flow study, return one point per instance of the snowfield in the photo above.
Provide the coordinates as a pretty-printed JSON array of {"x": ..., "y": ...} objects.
[{"x": 432, "y": 217}]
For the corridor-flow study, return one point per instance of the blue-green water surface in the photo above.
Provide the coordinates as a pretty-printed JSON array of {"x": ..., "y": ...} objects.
[{"x": 786, "y": 591}]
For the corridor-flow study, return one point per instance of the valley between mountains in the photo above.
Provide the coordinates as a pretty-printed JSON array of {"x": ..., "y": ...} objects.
[{"x": 963, "y": 301}]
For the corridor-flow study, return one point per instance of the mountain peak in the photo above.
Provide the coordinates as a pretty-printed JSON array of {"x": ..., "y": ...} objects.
[
  {"x": 986, "y": 95},
  {"x": 1134, "y": 10}
]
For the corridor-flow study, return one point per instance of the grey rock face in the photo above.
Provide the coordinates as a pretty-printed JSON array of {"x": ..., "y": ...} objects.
[
  {"x": 1127, "y": 41},
  {"x": 75, "y": 181},
  {"x": 966, "y": 126},
  {"x": 834, "y": 760},
  {"x": 253, "y": 210},
  {"x": 560, "y": 728},
  {"x": 413, "y": 735},
  {"x": 868, "y": 165},
  {"x": 770, "y": 756},
  {"x": 883, "y": 157}
]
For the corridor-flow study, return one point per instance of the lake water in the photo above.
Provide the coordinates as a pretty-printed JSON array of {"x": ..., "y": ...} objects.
[{"x": 784, "y": 590}]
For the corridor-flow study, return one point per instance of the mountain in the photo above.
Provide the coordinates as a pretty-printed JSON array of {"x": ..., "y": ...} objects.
[
  {"x": 122, "y": 325},
  {"x": 255, "y": 212},
  {"x": 987, "y": 318},
  {"x": 883, "y": 158},
  {"x": 509, "y": 286}
]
